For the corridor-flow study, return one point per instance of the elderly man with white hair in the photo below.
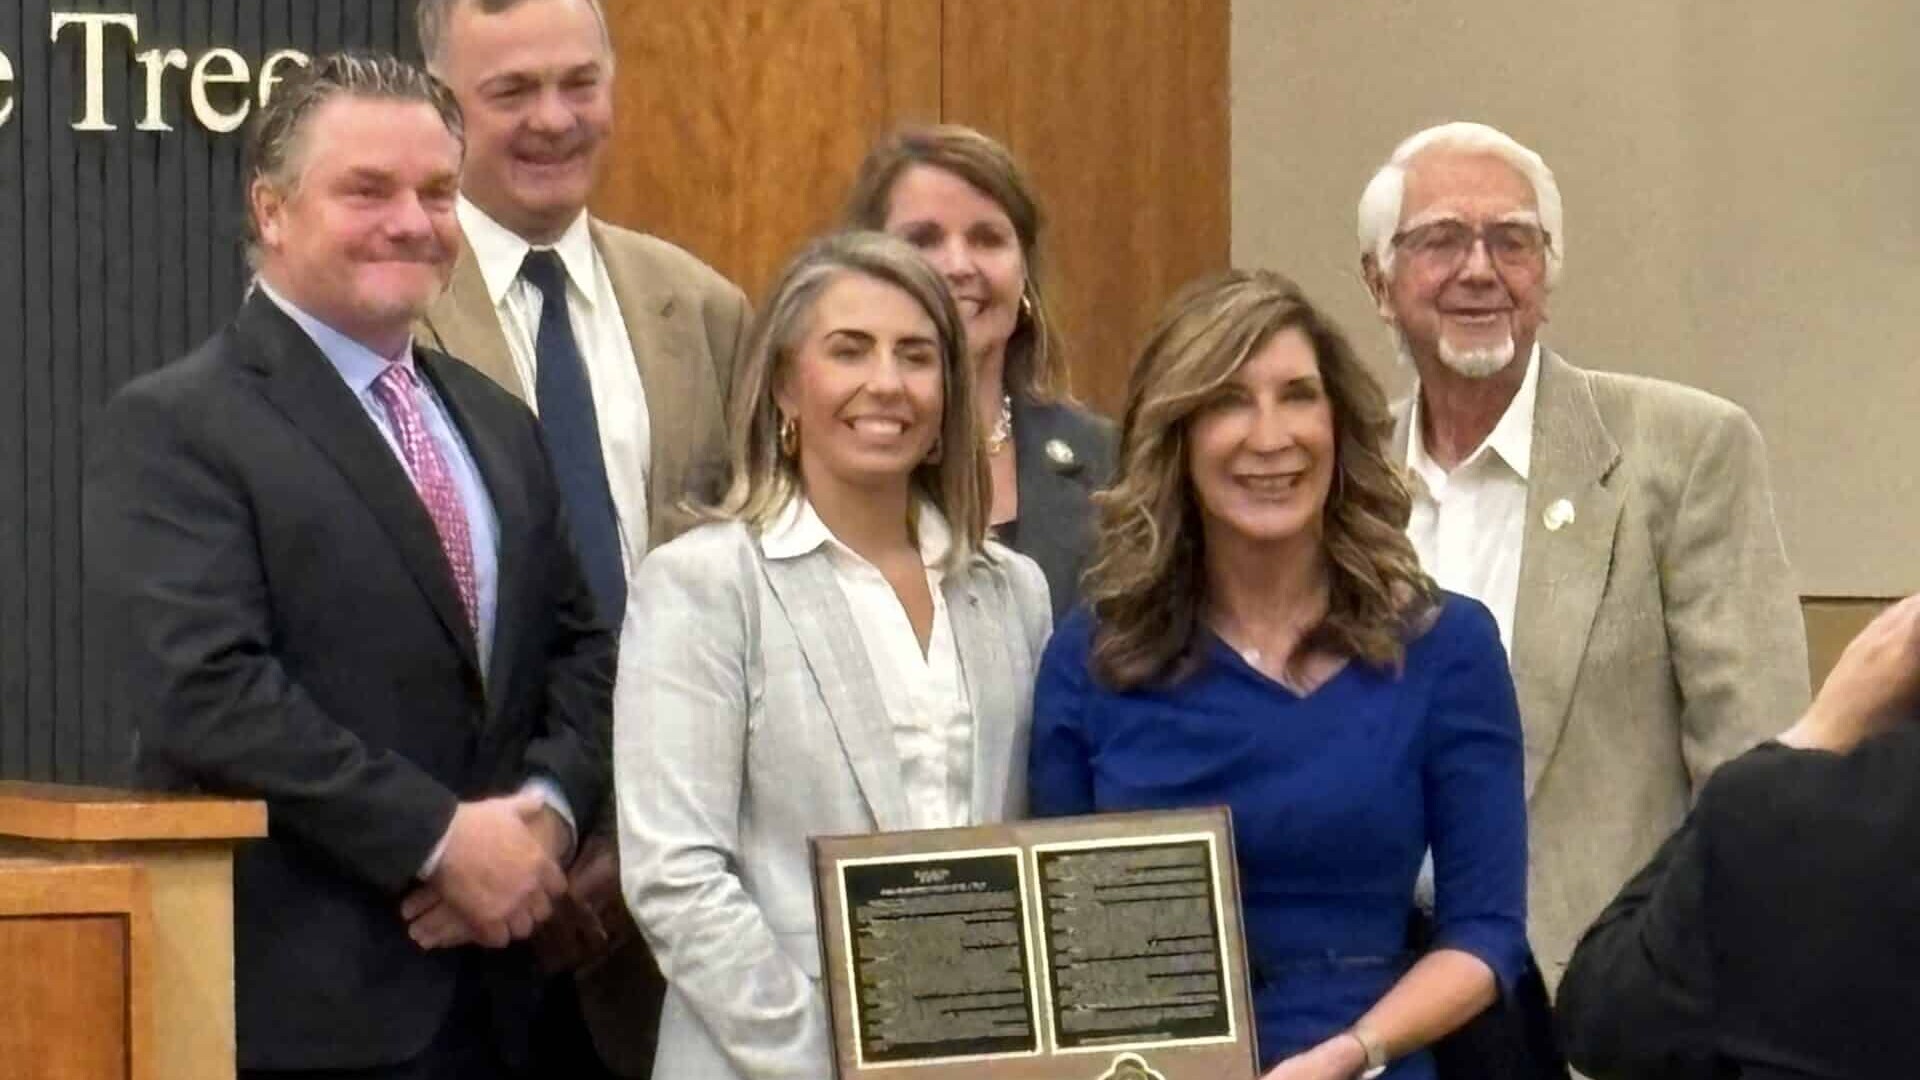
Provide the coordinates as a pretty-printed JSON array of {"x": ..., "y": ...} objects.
[{"x": 1620, "y": 528}]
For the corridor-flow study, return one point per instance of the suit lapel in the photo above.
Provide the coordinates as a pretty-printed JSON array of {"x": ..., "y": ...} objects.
[
  {"x": 823, "y": 625},
  {"x": 982, "y": 655},
  {"x": 1563, "y": 571},
  {"x": 1047, "y": 493},
  {"x": 303, "y": 385},
  {"x": 463, "y": 323},
  {"x": 669, "y": 350}
]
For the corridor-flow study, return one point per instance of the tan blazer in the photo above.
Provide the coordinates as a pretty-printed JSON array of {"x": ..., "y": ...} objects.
[
  {"x": 1657, "y": 632},
  {"x": 688, "y": 328}
]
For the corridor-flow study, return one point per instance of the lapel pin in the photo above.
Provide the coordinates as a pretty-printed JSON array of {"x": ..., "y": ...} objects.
[
  {"x": 1061, "y": 456},
  {"x": 1558, "y": 516}
]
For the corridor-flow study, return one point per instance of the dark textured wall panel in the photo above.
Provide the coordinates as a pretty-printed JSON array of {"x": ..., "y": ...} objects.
[{"x": 119, "y": 250}]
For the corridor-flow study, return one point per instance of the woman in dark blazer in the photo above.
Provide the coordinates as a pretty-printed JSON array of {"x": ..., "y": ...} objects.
[{"x": 958, "y": 197}]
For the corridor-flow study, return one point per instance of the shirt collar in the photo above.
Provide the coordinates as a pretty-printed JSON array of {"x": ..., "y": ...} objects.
[
  {"x": 797, "y": 530},
  {"x": 500, "y": 251},
  {"x": 356, "y": 363},
  {"x": 1511, "y": 438}
]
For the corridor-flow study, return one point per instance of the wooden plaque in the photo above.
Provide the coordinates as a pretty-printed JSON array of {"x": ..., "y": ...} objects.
[{"x": 1107, "y": 947}]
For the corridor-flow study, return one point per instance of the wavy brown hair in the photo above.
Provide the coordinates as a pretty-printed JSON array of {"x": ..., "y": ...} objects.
[
  {"x": 1147, "y": 585},
  {"x": 1035, "y": 367}
]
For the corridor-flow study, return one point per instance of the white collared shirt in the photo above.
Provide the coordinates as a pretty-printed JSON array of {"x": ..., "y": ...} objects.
[
  {"x": 619, "y": 399},
  {"x": 1468, "y": 524},
  {"x": 924, "y": 695}
]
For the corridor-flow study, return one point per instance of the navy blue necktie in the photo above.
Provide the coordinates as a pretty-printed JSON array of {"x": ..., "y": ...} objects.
[{"x": 573, "y": 438}]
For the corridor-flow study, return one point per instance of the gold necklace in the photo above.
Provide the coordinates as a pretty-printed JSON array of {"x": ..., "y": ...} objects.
[{"x": 1002, "y": 427}]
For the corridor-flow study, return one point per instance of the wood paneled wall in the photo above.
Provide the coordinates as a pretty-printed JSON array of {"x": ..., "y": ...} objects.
[
  {"x": 741, "y": 123},
  {"x": 1118, "y": 109}
]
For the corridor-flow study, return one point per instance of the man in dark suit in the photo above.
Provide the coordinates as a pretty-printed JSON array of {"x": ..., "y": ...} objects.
[
  {"x": 1776, "y": 936},
  {"x": 342, "y": 582}
]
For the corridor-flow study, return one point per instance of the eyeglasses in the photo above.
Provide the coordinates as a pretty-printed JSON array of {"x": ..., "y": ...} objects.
[{"x": 1444, "y": 245}]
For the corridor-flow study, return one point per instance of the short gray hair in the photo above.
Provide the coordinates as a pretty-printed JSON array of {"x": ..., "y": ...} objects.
[
  {"x": 276, "y": 139},
  {"x": 1380, "y": 203},
  {"x": 432, "y": 17}
]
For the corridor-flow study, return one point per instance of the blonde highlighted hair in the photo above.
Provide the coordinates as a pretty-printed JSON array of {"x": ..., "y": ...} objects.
[
  {"x": 763, "y": 479},
  {"x": 1147, "y": 584},
  {"x": 1035, "y": 366}
]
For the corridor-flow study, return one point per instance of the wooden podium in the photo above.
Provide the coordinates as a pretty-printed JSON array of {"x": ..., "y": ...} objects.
[{"x": 116, "y": 933}]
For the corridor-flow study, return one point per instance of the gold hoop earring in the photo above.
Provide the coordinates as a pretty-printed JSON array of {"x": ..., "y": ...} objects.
[
  {"x": 789, "y": 436},
  {"x": 1026, "y": 304}
]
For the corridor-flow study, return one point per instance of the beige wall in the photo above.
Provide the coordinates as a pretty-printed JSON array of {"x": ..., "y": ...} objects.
[{"x": 1741, "y": 184}]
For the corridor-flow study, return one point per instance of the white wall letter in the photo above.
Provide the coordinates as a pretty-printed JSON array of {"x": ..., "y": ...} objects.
[
  {"x": 203, "y": 73},
  {"x": 270, "y": 67},
  {"x": 96, "y": 23},
  {"x": 157, "y": 62},
  {"x": 6, "y": 89}
]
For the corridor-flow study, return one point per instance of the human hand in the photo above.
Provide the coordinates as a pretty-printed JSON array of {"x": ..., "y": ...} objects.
[
  {"x": 433, "y": 923},
  {"x": 591, "y": 921},
  {"x": 497, "y": 873},
  {"x": 1338, "y": 1058},
  {"x": 1875, "y": 683}
]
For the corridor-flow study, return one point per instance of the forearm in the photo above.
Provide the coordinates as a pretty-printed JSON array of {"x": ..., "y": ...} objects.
[
  {"x": 718, "y": 952},
  {"x": 1437, "y": 996}
]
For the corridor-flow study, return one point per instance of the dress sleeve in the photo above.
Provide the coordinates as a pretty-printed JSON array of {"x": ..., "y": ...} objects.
[
  {"x": 1059, "y": 762},
  {"x": 1475, "y": 794}
]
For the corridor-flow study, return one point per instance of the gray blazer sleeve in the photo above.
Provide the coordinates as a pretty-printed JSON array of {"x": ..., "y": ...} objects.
[{"x": 688, "y": 654}]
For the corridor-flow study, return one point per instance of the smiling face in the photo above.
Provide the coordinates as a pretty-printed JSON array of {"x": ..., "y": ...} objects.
[
  {"x": 1474, "y": 317},
  {"x": 864, "y": 386},
  {"x": 365, "y": 238},
  {"x": 536, "y": 84},
  {"x": 1260, "y": 451},
  {"x": 969, "y": 238}
]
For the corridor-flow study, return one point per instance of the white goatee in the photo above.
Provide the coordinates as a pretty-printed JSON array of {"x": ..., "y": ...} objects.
[{"x": 1478, "y": 363}]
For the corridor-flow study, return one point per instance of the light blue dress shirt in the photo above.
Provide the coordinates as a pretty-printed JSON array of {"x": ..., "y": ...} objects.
[{"x": 359, "y": 366}]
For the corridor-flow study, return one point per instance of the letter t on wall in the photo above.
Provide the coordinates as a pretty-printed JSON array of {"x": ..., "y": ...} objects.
[
  {"x": 96, "y": 23},
  {"x": 6, "y": 89}
]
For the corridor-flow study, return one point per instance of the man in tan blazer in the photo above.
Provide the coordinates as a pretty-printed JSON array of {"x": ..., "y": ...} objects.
[
  {"x": 1621, "y": 529},
  {"x": 625, "y": 346}
]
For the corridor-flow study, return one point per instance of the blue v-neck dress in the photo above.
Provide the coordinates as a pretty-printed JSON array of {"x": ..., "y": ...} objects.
[{"x": 1335, "y": 798}]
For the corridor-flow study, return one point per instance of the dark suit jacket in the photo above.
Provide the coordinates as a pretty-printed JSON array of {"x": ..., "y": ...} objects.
[
  {"x": 286, "y": 627},
  {"x": 1062, "y": 455},
  {"x": 1776, "y": 935}
]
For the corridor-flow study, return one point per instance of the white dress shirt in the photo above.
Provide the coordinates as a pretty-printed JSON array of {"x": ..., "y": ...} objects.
[
  {"x": 924, "y": 694},
  {"x": 1468, "y": 524},
  {"x": 619, "y": 400}
]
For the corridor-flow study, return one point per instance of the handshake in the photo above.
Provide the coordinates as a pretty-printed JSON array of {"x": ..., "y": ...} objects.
[{"x": 500, "y": 880}]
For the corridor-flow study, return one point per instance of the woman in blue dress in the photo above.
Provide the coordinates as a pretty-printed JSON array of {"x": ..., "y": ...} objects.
[{"x": 1258, "y": 634}]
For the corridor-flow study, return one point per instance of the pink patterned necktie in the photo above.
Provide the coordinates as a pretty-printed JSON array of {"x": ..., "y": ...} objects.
[{"x": 431, "y": 479}]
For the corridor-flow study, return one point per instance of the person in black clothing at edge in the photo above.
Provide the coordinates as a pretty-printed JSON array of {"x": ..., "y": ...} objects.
[{"x": 1776, "y": 934}]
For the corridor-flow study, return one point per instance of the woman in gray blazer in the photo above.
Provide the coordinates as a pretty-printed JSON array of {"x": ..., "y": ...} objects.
[
  {"x": 840, "y": 649},
  {"x": 960, "y": 199}
]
